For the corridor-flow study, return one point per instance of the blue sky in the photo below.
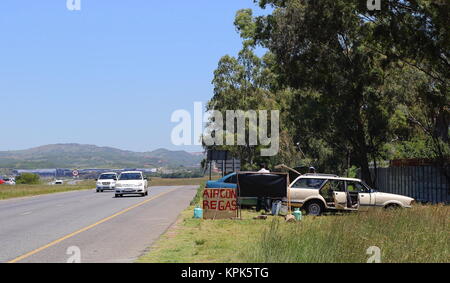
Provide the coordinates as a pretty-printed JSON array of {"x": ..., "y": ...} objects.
[{"x": 111, "y": 74}]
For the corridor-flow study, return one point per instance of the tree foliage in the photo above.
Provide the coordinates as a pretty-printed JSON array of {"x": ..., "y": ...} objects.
[
  {"x": 28, "y": 179},
  {"x": 354, "y": 87}
]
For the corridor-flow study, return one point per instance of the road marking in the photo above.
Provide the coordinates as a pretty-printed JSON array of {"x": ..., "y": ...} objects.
[
  {"x": 87, "y": 228},
  {"x": 26, "y": 213}
]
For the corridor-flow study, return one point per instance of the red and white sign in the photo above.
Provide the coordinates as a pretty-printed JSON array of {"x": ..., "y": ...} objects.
[
  {"x": 219, "y": 204},
  {"x": 75, "y": 173}
]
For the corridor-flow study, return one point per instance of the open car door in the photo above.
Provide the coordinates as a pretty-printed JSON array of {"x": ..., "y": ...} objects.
[
  {"x": 340, "y": 200},
  {"x": 360, "y": 194}
]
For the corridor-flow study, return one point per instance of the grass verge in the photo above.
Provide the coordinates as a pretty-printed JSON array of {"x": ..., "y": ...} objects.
[
  {"x": 8, "y": 192},
  {"x": 417, "y": 235},
  {"x": 412, "y": 235}
]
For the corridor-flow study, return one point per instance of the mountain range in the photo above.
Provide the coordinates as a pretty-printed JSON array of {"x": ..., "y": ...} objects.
[{"x": 91, "y": 156}]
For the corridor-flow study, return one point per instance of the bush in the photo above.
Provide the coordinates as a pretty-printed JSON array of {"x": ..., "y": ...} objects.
[{"x": 28, "y": 179}]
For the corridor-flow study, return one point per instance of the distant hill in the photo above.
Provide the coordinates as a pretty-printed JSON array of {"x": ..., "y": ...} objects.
[{"x": 91, "y": 156}]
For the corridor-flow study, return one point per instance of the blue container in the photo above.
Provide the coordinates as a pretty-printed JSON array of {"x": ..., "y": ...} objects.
[
  {"x": 198, "y": 212},
  {"x": 298, "y": 214},
  {"x": 276, "y": 207}
]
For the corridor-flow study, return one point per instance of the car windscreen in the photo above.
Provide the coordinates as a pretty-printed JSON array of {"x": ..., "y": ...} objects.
[
  {"x": 107, "y": 177},
  {"x": 130, "y": 176}
]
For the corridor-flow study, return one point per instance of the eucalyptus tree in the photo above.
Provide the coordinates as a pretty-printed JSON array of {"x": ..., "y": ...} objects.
[{"x": 320, "y": 49}]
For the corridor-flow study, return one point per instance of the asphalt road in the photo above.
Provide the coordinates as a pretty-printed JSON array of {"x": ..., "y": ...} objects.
[{"x": 96, "y": 226}]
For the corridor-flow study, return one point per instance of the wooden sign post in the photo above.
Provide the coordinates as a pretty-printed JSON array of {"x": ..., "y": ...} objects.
[{"x": 220, "y": 204}]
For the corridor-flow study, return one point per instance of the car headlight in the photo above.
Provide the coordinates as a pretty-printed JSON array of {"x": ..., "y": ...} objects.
[{"x": 139, "y": 185}]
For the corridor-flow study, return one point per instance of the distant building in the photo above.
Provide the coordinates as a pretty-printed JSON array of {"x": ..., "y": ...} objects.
[
  {"x": 83, "y": 173},
  {"x": 148, "y": 170}
]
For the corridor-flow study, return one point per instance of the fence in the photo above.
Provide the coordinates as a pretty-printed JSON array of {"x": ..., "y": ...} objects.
[{"x": 423, "y": 183}]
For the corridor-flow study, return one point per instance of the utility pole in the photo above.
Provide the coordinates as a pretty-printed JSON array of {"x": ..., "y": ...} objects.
[{"x": 210, "y": 170}]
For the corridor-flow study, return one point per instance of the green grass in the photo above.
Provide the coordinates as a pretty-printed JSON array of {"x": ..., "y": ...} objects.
[
  {"x": 420, "y": 234},
  {"x": 197, "y": 241},
  {"x": 8, "y": 192}
]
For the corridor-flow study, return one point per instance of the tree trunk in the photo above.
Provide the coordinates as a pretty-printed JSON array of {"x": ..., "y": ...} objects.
[
  {"x": 362, "y": 153},
  {"x": 442, "y": 126},
  {"x": 365, "y": 169}
]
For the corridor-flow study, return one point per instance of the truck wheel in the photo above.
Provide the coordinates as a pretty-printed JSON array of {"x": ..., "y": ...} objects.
[{"x": 314, "y": 208}]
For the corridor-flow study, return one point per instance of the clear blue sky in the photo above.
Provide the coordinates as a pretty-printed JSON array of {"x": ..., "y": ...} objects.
[{"x": 110, "y": 74}]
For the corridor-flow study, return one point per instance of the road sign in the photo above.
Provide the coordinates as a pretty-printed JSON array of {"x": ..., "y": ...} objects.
[
  {"x": 75, "y": 173},
  {"x": 215, "y": 155},
  {"x": 229, "y": 165}
]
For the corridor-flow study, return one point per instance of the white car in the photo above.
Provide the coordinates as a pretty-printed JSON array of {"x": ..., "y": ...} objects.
[
  {"x": 318, "y": 193},
  {"x": 10, "y": 181},
  {"x": 58, "y": 182},
  {"x": 132, "y": 182},
  {"x": 106, "y": 182}
]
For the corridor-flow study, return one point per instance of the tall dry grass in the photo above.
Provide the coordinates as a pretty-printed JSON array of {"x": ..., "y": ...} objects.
[{"x": 420, "y": 234}]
